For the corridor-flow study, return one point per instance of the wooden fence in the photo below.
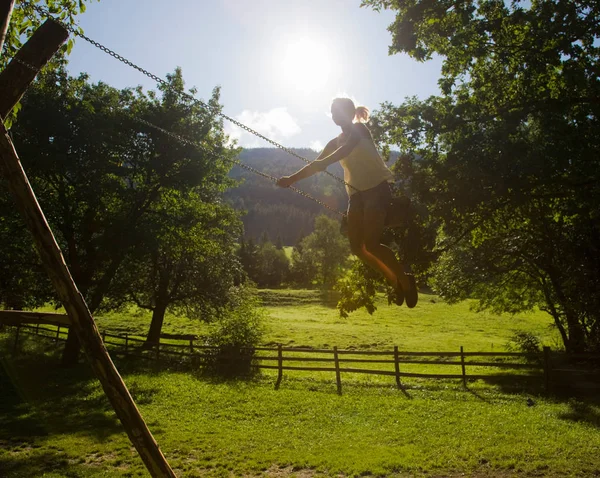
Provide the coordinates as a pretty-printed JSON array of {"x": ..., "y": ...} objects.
[{"x": 462, "y": 365}]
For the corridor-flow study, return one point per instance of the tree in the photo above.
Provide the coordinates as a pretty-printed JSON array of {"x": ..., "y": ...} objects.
[
  {"x": 186, "y": 262},
  {"x": 249, "y": 258},
  {"x": 264, "y": 264},
  {"x": 23, "y": 282},
  {"x": 508, "y": 152},
  {"x": 325, "y": 251},
  {"x": 99, "y": 174}
]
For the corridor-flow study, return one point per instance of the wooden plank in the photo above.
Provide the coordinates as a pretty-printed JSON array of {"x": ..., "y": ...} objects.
[
  {"x": 503, "y": 365},
  {"x": 179, "y": 336},
  {"x": 397, "y": 367},
  {"x": 338, "y": 377},
  {"x": 81, "y": 319},
  {"x": 16, "y": 317},
  {"x": 21, "y": 71},
  {"x": 462, "y": 365},
  {"x": 6, "y": 8},
  {"x": 279, "y": 367},
  {"x": 495, "y": 354}
]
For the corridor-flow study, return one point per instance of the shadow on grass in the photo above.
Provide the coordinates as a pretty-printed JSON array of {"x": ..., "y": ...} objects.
[
  {"x": 584, "y": 405},
  {"x": 39, "y": 398},
  {"x": 26, "y": 462}
]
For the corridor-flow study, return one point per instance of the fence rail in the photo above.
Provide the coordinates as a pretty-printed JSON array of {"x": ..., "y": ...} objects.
[{"x": 374, "y": 362}]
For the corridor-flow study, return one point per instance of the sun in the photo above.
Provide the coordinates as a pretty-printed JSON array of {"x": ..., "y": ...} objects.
[{"x": 306, "y": 65}]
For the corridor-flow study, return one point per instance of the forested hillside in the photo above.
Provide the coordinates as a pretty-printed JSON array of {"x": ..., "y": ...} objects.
[{"x": 281, "y": 212}]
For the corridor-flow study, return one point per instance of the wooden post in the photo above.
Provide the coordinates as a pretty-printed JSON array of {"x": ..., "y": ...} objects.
[
  {"x": 126, "y": 343},
  {"x": 57, "y": 334},
  {"x": 338, "y": 377},
  {"x": 547, "y": 369},
  {"x": 462, "y": 364},
  {"x": 191, "y": 346},
  {"x": 280, "y": 365},
  {"x": 17, "y": 77},
  {"x": 79, "y": 314},
  {"x": 6, "y": 8},
  {"x": 397, "y": 367},
  {"x": 16, "y": 339},
  {"x": 103, "y": 336}
]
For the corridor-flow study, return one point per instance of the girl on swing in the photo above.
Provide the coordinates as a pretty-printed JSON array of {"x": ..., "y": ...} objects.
[{"x": 367, "y": 181}]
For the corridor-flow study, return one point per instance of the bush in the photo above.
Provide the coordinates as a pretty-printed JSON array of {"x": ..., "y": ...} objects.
[
  {"x": 235, "y": 334},
  {"x": 527, "y": 343}
]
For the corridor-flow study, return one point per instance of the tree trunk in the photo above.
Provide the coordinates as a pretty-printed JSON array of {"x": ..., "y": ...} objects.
[
  {"x": 70, "y": 355},
  {"x": 71, "y": 352},
  {"x": 577, "y": 339},
  {"x": 158, "y": 317}
]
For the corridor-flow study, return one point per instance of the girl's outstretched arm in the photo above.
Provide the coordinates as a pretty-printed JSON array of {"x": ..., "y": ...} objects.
[{"x": 328, "y": 156}]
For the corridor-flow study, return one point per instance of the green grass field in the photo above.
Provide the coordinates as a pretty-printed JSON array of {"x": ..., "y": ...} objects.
[{"x": 56, "y": 422}]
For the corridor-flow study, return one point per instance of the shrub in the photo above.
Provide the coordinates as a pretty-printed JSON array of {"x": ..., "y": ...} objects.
[
  {"x": 527, "y": 343},
  {"x": 235, "y": 334}
]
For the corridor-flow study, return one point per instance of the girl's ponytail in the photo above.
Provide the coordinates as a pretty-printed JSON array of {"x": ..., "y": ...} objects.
[{"x": 361, "y": 114}]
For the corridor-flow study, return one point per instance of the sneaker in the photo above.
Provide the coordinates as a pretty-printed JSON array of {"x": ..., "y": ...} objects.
[{"x": 411, "y": 295}]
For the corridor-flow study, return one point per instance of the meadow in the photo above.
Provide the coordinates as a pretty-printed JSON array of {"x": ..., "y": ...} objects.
[{"x": 56, "y": 422}]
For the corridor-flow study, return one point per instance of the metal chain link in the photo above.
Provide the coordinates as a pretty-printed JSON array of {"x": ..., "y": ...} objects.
[
  {"x": 25, "y": 64},
  {"x": 163, "y": 82},
  {"x": 204, "y": 149}
]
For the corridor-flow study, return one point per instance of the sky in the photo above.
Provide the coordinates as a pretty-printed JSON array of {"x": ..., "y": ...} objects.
[{"x": 279, "y": 63}]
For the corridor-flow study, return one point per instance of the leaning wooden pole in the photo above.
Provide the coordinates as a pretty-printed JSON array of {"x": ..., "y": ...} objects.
[
  {"x": 81, "y": 319},
  {"x": 74, "y": 303},
  {"x": 29, "y": 60},
  {"x": 6, "y": 7}
]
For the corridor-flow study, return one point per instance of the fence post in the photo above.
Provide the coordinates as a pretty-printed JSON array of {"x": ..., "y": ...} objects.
[
  {"x": 280, "y": 365},
  {"x": 57, "y": 334},
  {"x": 191, "y": 346},
  {"x": 338, "y": 378},
  {"x": 126, "y": 343},
  {"x": 462, "y": 364},
  {"x": 37, "y": 329},
  {"x": 103, "y": 336},
  {"x": 16, "y": 339},
  {"x": 547, "y": 368},
  {"x": 397, "y": 366}
]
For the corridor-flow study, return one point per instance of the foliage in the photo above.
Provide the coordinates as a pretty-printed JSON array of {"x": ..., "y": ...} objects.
[
  {"x": 122, "y": 198},
  {"x": 357, "y": 289},
  {"x": 505, "y": 159},
  {"x": 185, "y": 257},
  {"x": 525, "y": 342},
  {"x": 24, "y": 284},
  {"x": 322, "y": 255},
  {"x": 264, "y": 263},
  {"x": 236, "y": 331}
]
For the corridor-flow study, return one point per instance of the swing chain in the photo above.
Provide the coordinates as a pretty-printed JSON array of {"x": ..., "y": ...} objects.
[
  {"x": 161, "y": 81},
  {"x": 204, "y": 149}
]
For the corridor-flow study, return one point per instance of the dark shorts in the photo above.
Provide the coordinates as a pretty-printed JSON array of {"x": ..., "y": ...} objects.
[{"x": 374, "y": 199}]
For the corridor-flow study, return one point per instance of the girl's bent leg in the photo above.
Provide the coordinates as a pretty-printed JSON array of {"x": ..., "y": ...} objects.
[{"x": 361, "y": 229}]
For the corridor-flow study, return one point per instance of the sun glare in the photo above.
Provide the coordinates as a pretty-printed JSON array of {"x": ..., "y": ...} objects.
[{"x": 306, "y": 65}]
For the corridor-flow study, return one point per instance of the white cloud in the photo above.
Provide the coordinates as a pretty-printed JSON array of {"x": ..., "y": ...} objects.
[
  {"x": 316, "y": 146},
  {"x": 276, "y": 124}
]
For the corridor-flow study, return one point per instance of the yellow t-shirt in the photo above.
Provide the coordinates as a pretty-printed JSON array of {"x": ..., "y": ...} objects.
[{"x": 363, "y": 167}]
